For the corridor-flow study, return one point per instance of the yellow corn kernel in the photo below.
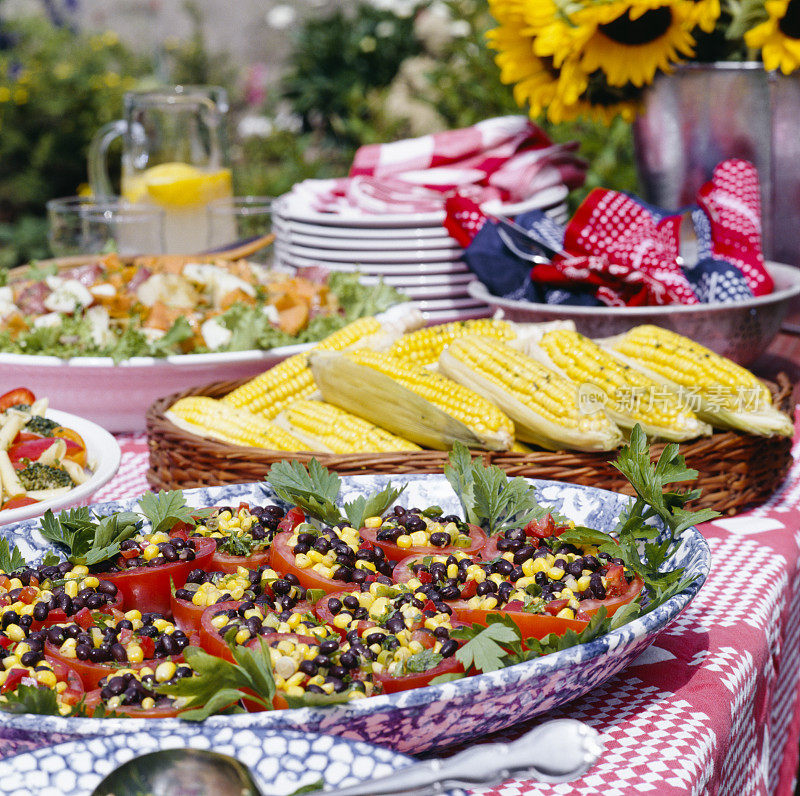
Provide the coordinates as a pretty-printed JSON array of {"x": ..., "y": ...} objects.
[
  {"x": 373, "y": 522},
  {"x": 135, "y": 653},
  {"x": 47, "y": 678},
  {"x": 165, "y": 671},
  {"x": 15, "y": 632}
]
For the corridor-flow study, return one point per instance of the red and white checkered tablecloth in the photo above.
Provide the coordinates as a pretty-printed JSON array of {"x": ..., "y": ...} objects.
[{"x": 712, "y": 707}]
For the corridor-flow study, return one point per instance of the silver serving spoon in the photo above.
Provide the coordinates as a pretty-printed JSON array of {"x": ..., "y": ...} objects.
[{"x": 557, "y": 751}]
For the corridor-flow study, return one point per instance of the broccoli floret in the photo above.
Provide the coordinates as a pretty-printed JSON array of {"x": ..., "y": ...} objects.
[
  {"x": 38, "y": 476},
  {"x": 41, "y": 425}
]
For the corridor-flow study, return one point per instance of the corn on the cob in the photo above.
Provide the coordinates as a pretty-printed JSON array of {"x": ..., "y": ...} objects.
[
  {"x": 627, "y": 396},
  {"x": 717, "y": 389},
  {"x": 424, "y": 346},
  {"x": 414, "y": 403},
  {"x": 328, "y": 428},
  {"x": 291, "y": 379},
  {"x": 211, "y": 418},
  {"x": 268, "y": 393},
  {"x": 542, "y": 404}
]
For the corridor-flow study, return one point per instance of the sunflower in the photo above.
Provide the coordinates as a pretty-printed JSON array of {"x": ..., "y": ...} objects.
[
  {"x": 779, "y": 36},
  {"x": 631, "y": 39},
  {"x": 705, "y": 14},
  {"x": 537, "y": 82}
]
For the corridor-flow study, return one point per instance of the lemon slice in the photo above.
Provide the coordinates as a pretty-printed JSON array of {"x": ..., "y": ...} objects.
[{"x": 179, "y": 185}]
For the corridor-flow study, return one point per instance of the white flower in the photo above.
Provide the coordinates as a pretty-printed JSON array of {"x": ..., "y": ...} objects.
[
  {"x": 459, "y": 28},
  {"x": 255, "y": 126},
  {"x": 384, "y": 29},
  {"x": 281, "y": 17}
]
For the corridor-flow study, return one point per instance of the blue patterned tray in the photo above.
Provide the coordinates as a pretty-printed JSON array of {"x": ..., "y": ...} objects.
[{"x": 425, "y": 718}]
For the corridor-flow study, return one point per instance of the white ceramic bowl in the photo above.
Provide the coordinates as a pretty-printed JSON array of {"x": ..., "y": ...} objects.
[
  {"x": 103, "y": 455},
  {"x": 116, "y": 396},
  {"x": 740, "y": 330}
]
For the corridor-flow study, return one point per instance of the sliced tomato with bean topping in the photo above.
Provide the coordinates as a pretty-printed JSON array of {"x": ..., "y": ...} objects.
[
  {"x": 148, "y": 588},
  {"x": 282, "y": 560},
  {"x": 396, "y": 553}
]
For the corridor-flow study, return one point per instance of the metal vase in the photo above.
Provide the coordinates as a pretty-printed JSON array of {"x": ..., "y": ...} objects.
[{"x": 705, "y": 113}]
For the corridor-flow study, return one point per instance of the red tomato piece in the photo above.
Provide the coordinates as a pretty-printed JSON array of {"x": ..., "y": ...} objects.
[
  {"x": 391, "y": 685},
  {"x": 148, "y": 588},
  {"x": 223, "y": 562},
  {"x": 292, "y": 519},
  {"x": 19, "y": 395},
  {"x": 282, "y": 560},
  {"x": 168, "y": 711},
  {"x": 211, "y": 640},
  {"x": 18, "y": 503},
  {"x": 395, "y": 553},
  {"x": 13, "y": 679}
]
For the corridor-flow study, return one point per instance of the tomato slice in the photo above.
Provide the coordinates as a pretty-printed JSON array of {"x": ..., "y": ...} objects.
[
  {"x": 92, "y": 673},
  {"x": 278, "y": 701},
  {"x": 93, "y": 699},
  {"x": 148, "y": 588},
  {"x": 74, "y": 691},
  {"x": 391, "y": 684},
  {"x": 395, "y": 553},
  {"x": 324, "y": 613},
  {"x": 33, "y": 448},
  {"x": 282, "y": 560},
  {"x": 211, "y": 640},
  {"x": 224, "y": 562},
  {"x": 540, "y": 625},
  {"x": 77, "y": 454},
  {"x": 18, "y": 502},
  {"x": 19, "y": 395}
]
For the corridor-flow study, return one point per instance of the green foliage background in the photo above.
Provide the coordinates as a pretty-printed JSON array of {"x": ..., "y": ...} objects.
[{"x": 58, "y": 86}]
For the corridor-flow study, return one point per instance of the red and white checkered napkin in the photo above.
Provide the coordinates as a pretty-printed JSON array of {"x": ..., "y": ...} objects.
[
  {"x": 507, "y": 158},
  {"x": 626, "y": 242},
  {"x": 732, "y": 201}
]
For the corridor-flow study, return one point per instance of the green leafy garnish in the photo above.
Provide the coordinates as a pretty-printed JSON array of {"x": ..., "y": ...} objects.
[
  {"x": 89, "y": 540},
  {"x": 422, "y": 661},
  {"x": 11, "y": 558},
  {"x": 483, "y": 649},
  {"x": 489, "y": 498},
  {"x": 218, "y": 684},
  {"x": 316, "y": 488},
  {"x": 166, "y": 509},
  {"x": 176, "y": 334},
  {"x": 372, "y": 506},
  {"x": 312, "y": 787},
  {"x": 30, "y": 699}
]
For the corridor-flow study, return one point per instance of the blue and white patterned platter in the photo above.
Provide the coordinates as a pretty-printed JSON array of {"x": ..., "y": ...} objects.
[
  {"x": 280, "y": 761},
  {"x": 424, "y": 718}
]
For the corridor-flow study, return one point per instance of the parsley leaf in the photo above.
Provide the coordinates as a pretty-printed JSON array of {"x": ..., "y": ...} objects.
[
  {"x": 314, "y": 489},
  {"x": 166, "y": 509},
  {"x": 30, "y": 699},
  {"x": 483, "y": 648},
  {"x": 10, "y": 557},
  {"x": 312, "y": 787},
  {"x": 88, "y": 541},
  {"x": 372, "y": 506},
  {"x": 489, "y": 498},
  {"x": 218, "y": 683},
  {"x": 422, "y": 661}
]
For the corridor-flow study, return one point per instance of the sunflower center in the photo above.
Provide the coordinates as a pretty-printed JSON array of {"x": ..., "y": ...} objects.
[
  {"x": 789, "y": 25},
  {"x": 651, "y": 26}
]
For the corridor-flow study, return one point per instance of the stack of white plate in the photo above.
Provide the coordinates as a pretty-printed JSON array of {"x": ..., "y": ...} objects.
[{"x": 410, "y": 251}]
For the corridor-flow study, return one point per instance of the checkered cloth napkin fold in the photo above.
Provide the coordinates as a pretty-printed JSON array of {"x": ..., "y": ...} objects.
[
  {"x": 507, "y": 158},
  {"x": 623, "y": 252}
]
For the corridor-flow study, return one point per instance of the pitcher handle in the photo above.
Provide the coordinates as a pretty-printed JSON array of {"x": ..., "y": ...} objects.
[{"x": 99, "y": 180}]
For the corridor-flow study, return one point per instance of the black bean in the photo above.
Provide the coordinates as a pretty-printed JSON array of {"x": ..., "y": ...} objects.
[
  {"x": 523, "y": 553},
  {"x": 40, "y": 611},
  {"x": 30, "y": 658},
  {"x": 440, "y": 539},
  {"x": 487, "y": 587},
  {"x": 448, "y": 648},
  {"x": 169, "y": 552},
  {"x": 338, "y": 684},
  {"x": 575, "y": 568},
  {"x": 308, "y": 667}
]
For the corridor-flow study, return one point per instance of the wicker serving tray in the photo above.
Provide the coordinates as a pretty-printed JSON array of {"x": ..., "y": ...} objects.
[{"x": 735, "y": 470}]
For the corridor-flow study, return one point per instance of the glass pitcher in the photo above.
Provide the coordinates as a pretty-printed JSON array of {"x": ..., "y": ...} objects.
[{"x": 174, "y": 156}]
